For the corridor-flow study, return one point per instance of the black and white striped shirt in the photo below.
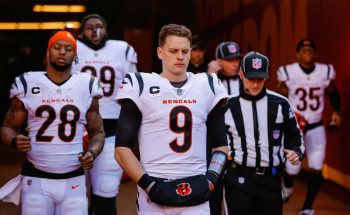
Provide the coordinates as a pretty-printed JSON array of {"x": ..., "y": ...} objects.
[
  {"x": 231, "y": 84},
  {"x": 260, "y": 127}
]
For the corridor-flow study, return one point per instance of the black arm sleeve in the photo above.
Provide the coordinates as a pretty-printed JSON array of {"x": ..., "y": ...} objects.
[
  {"x": 128, "y": 124},
  {"x": 334, "y": 96},
  {"x": 216, "y": 127},
  {"x": 293, "y": 136}
]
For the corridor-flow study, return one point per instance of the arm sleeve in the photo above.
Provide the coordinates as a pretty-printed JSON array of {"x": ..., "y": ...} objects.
[
  {"x": 216, "y": 127},
  {"x": 293, "y": 135},
  {"x": 334, "y": 96},
  {"x": 128, "y": 125}
]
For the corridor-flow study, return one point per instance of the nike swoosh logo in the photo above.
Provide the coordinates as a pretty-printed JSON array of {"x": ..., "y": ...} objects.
[{"x": 75, "y": 186}]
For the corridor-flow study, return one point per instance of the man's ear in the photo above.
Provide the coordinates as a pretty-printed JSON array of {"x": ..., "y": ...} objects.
[
  {"x": 241, "y": 74},
  {"x": 160, "y": 53}
]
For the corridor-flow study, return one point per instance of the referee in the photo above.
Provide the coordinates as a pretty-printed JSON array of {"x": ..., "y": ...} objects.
[{"x": 262, "y": 135}]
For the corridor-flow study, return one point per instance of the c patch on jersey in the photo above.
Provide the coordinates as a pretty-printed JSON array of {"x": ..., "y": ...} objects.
[
  {"x": 183, "y": 189},
  {"x": 36, "y": 91},
  {"x": 154, "y": 91}
]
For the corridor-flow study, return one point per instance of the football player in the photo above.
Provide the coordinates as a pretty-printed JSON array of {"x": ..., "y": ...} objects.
[
  {"x": 108, "y": 60},
  {"x": 168, "y": 114},
  {"x": 306, "y": 83},
  {"x": 55, "y": 105}
]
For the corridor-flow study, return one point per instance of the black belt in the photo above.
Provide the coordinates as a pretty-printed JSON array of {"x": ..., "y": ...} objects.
[
  {"x": 257, "y": 170},
  {"x": 28, "y": 169},
  {"x": 313, "y": 125}
]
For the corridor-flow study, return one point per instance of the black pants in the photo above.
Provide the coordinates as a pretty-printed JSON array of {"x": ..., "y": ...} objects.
[{"x": 248, "y": 193}]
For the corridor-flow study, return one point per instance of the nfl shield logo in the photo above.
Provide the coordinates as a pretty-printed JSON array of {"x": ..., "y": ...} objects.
[
  {"x": 241, "y": 180},
  {"x": 257, "y": 64},
  {"x": 179, "y": 92},
  {"x": 276, "y": 134},
  {"x": 232, "y": 48}
]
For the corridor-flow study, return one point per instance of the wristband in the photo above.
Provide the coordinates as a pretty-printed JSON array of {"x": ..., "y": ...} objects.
[
  {"x": 146, "y": 183},
  {"x": 217, "y": 162},
  {"x": 92, "y": 153}
]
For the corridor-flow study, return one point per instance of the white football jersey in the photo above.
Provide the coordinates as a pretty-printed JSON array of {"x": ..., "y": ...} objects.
[
  {"x": 306, "y": 91},
  {"x": 172, "y": 136},
  {"x": 109, "y": 64},
  {"x": 56, "y": 117}
]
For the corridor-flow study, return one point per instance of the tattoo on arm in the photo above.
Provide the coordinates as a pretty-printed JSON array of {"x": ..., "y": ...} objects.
[{"x": 95, "y": 128}]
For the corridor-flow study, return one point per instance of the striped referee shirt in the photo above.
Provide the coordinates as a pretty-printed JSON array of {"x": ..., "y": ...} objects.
[
  {"x": 260, "y": 127},
  {"x": 231, "y": 84}
]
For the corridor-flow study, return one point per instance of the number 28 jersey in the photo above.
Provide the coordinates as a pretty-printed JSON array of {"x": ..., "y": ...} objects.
[
  {"x": 306, "y": 91},
  {"x": 109, "y": 64},
  {"x": 56, "y": 117},
  {"x": 172, "y": 135}
]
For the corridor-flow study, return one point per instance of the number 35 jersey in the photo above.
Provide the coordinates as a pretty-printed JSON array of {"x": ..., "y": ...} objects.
[
  {"x": 172, "y": 135},
  {"x": 56, "y": 117},
  {"x": 109, "y": 64},
  {"x": 306, "y": 91}
]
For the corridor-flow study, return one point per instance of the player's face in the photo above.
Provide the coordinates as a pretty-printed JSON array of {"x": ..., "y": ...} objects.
[
  {"x": 94, "y": 30},
  {"x": 175, "y": 54},
  {"x": 306, "y": 55},
  {"x": 252, "y": 86},
  {"x": 61, "y": 55},
  {"x": 197, "y": 56},
  {"x": 230, "y": 67}
]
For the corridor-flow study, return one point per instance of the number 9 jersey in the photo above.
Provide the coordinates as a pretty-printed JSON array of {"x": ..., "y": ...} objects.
[
  {"x": 109, "y": 64},
  {"x": 173, "y": 132},
  {"x": 306, "y": 91},
  {"x": 55, "y": 117}
]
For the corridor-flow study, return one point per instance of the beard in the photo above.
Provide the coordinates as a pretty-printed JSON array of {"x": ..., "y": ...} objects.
[
  {"x": 96, "y": 47},
  {"x": 60, "y": 68}
]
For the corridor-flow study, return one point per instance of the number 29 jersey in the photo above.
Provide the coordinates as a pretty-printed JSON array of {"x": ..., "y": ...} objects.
[
  {"x": 55, "y": 117},
  {"x": 172, "y": 135},
  {"x": 109, "y": 64},
  {"x": 306, "y": 91}
]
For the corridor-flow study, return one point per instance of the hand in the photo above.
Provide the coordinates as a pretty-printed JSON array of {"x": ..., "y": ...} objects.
[
  {"x": 336, "y": 119},
  {"x": 212, "y": 178},
  {"x": 86, "y": 160},
  {"x": 22, "y": 143},
  {"x": 214, "y": 67},
  {"x": 292, "y": 156}
]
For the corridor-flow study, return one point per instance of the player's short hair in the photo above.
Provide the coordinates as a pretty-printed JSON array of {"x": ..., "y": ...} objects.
[
  {"x": 175, "y": 30},
  {"x": 90, "y": 16}
]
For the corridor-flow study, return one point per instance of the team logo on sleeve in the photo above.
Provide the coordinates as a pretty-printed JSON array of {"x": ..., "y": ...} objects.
[
  {"x": 183, "y": 189},
  {"x": 276, "y": 134},
  {"x": 291, "y": 114}
]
